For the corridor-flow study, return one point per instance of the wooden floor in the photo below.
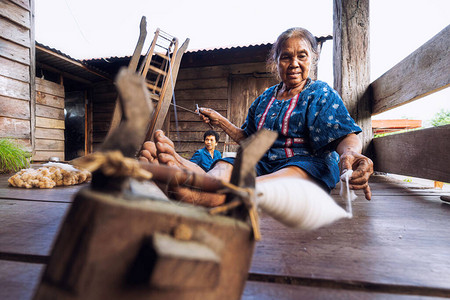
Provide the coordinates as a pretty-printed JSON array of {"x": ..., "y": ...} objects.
[{"x": 397, "y": 246}]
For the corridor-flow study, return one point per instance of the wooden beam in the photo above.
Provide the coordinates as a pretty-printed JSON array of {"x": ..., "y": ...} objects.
[
  {"x": 49, "y": 100},
  {"x": 49, "y": 145},
  {"x": 50, "y": 134},
  {"x": 203, "y": 94},
  {"x": 43, "y": 156},
  {"x": 49, "y": 123},
  {"x": 49, "y": 87},
  {"x": 64, "y": 74},
  {"x": 14, "y": 88},
  {"x": 14, "y": 33},
  {"x": 423, "y": 72},
  {"x": 15, "y": 52},
  {"x": 49, "y": 112},
  {"x": 14, "y": 128},
  {"x": 220, "y": 71},
  {"x": 26, "y": 4},
  {"x": 420, "y": 153},
  {"x": 352, "y": 60},
  {"x": 14, "y": 70},
  {"x": 19, "y": 15},
  {"x": 14, "y": 108}
]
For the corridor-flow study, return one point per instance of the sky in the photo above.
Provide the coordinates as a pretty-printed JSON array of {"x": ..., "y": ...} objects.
[{"x": 85, "y": 29}]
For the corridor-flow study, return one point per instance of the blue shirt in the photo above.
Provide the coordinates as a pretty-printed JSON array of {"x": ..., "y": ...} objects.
[
  {"x": 306, "y": 124},
  {"x": 203, "y": 158}
]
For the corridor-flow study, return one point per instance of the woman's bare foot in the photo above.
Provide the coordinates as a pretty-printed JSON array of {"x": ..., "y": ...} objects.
[
  {"x": 148, "y": 153},
  {"x": 167, "y": 155},
  {"x": 163, "y": 152}
]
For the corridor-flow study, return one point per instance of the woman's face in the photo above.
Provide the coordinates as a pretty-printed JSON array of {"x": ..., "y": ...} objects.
[{"x": 294, "y": 62}]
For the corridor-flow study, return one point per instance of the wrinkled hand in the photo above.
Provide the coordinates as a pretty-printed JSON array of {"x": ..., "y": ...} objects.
[
  {"x": 209, "y": 116},
  {"x": 362, "y": 169}
]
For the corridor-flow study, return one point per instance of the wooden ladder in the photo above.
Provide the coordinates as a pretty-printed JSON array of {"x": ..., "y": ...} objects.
[
  {"x": 157, "y": 65},
  {"x": 160, "y": 69}
]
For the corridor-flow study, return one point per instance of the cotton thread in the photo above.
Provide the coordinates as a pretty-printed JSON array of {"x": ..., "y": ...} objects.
[{"x": 347, "y": 194}]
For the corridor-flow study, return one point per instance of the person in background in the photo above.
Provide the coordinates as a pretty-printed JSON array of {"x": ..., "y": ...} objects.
[{"x": 206, "y": 156}]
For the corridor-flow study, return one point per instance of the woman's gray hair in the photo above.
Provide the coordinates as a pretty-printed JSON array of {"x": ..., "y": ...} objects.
[{"x": 296, "y": 32}]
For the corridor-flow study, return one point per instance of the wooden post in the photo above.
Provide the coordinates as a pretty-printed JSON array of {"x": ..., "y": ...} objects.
[
  {"x": 32, "y": 80},
  {"x": 352, "y": 61}
]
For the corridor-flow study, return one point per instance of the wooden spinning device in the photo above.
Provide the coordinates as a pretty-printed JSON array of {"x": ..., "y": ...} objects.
[{"x": 114, "y": 244}]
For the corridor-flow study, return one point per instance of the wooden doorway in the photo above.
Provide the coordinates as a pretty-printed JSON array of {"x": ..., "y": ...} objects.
[{"x": 75, "y": 121}]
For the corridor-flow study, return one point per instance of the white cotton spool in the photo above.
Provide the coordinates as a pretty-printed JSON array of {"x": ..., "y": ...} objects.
[{"x": 298, "y": 203}]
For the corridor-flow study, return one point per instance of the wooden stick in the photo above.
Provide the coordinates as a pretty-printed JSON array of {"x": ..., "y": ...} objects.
[
  {"x": 180, "y": 107},
  {"x": 224, "y": 208},
  {"x": 176, "y": 177},
  {"x": 117, "y": 114}
]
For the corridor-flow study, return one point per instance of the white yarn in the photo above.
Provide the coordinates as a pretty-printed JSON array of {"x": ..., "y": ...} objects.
[
  {"x": 346, "y": 193},
  {"x": 298, "y": 203}
]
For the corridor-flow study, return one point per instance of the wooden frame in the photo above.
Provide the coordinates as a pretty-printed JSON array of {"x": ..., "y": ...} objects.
[
  {"x": 419, "y": 153},
  {"x": 423, "y": 72}
]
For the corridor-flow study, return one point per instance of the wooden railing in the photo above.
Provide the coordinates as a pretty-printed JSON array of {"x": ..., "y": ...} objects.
[{"x": 422, "y": 153}]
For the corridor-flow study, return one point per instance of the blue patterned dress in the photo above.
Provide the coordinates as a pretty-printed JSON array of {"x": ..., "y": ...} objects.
[{"x": 307, "y": 124}]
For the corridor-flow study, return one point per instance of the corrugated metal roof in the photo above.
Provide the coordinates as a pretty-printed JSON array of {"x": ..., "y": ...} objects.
[
  {"x": 97, "y": 69},
  {"x": 54, "y": 60},
  {"x": 56, "y": 51},
  {"x": 118, "y": 58},
  {"x": 191, "y": 57},
  {"x": 212, "y": 49},
  {"x": 199, "y": 51},
  {"x": 231, "y": 47}
]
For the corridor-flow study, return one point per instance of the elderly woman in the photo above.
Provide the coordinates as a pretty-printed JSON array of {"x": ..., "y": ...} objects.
[{"x": 317, "y": 136}]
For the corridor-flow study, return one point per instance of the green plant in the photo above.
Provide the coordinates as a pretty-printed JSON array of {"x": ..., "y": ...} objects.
[
  {"x": 12, "y": 156},
  {"x": 441, "y": 118}
]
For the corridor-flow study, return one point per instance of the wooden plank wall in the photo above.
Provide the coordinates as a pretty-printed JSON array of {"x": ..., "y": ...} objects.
[
  {"x": 205, "y": 86},
  {"x": 49, "y": 120},
  {"x": 208, "y": 87},
  {"x": 16, "y": 43}
]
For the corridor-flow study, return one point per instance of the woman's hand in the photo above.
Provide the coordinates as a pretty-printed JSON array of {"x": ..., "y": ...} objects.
[
  {"x": 209, "y": 116},
  {"x": 362, "y": 168},
  {"x": 212, "y": 117}
]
